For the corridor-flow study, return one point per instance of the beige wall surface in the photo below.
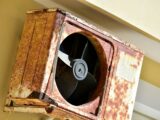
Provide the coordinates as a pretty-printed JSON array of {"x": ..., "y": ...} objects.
[
  {"x": 12, "y": 15},
  {"x": 142, "y": 14}
]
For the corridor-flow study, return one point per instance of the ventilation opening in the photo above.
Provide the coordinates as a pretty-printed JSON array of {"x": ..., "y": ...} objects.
[{"x": 78, "y": 69}]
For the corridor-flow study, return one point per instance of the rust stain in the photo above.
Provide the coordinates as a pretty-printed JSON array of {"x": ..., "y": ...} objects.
[
  {"x": 117, "y": 108},
  {"x": 21, "y": 57},
  {"x": 133, "y": 65}
]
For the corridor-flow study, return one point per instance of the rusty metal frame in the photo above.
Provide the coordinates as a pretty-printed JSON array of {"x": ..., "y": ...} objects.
[{"x": 33, "y": 87}]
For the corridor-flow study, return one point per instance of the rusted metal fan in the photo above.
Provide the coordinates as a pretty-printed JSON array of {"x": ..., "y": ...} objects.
[
  {"x": 76, "y": 69},
  {"x": 69, "y": 69}
]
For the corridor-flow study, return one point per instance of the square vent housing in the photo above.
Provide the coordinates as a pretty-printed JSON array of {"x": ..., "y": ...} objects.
[{"x": 69, "y": 69}]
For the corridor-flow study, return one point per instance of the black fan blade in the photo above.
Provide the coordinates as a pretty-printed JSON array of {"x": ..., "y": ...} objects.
[
  {"x": 90, "y": 79},
  {"x": 84, "y": 50},
  {"x": 64, "y": 57},
  {"x": 66, "y": 82},
  {"x": 83, "y": 90},
  {"x": 90, "y": 56}
]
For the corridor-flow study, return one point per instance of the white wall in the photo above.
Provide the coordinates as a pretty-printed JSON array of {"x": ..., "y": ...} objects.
[{"x": 138, "y": 116}]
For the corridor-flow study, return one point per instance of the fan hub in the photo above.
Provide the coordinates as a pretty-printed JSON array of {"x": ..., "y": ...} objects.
[{"x": 80, "y": 69}]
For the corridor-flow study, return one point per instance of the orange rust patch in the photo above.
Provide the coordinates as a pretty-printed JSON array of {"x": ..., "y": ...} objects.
[{"x": 117, "y": 107}]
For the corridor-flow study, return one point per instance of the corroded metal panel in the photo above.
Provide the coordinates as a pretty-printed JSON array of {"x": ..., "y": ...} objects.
[
  {"x": 123, "y": 86},
  {"x": 21, "y": 58},
  {"x": 35, "y": 54}
]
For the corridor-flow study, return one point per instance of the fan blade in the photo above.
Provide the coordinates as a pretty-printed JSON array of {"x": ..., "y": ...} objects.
[
  {"x": 64, "y": 57},
  {"x": 66, "y": 82},
  {"x": 84, "y": 50},
  {"x": 83, "y": 90},
  {"x": 90, "y": 56},
  {"x": 90, "y": 79}
]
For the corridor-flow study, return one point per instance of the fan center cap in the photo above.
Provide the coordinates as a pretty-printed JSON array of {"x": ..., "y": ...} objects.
[{"x": 80, "y": 69}]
